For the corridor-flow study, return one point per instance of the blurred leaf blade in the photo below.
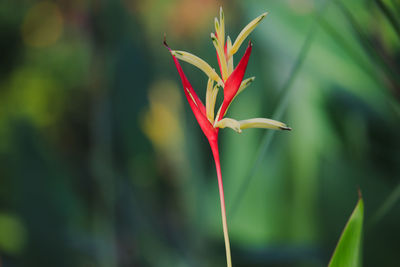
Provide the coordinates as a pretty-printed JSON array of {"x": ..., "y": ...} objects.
[
  {"x": 348, "y": 249},
  {"x": 387, "y": 205},
  {"x": 389, "y": 15}
]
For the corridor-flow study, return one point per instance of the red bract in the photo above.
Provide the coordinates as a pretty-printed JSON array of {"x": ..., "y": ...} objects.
[
  {"x": 234, "y": 81},
  {"x": 195, "y": 103}
]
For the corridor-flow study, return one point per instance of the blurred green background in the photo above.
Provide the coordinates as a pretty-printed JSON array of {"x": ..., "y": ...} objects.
[{"x": 103, "y": 164}]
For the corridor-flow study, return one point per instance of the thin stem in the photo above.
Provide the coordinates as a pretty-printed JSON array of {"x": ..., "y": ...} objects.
[{"x": 214, "y": 148}]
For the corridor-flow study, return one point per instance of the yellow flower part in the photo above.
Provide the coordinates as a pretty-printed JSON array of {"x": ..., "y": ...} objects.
[
  {"x": 238, "y": 126},
  {"x": 221, "y": 54},
  {"x": 211, "y": 97},
  {"x": 221, "y": 33},
  {"x": 230, "y": 59},
  {"x": 228, "y": 122},
  {"x": 263, "y": 123},
  {"x": 245, "y": 32},
  {"x": 191, "y": 96},
  {"x": 245, "y": 84},
  {"x": 199, "y": 63}
]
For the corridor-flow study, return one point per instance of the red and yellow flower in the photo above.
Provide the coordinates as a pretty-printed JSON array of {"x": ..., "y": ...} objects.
[{"x": 232, "y": 83}]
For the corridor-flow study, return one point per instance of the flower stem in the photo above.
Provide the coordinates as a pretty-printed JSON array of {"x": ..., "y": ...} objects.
[{"x": 214, "y": 148}]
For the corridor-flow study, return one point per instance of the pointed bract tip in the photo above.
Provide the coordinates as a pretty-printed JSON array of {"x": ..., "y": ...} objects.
[
  {"x": 359, "y": 193},
  {"x": 166, "y": 45},
  {"x": 216, "y": 23},
  {"x": 263, "y": 15},
  {"x": 250, "y": 80},
  {"x": 286, "y": 128},
  {"x": 237, "y": 129},
  {"x": 165, "y": 41},
  {"x": 213, "y": 37}
]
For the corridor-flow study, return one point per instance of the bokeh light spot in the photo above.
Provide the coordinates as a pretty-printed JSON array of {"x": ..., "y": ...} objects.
[
  {"x": 12, "y": 234},
  {"x": 161, "y": 121},
  {"x": 43, "y": 25}
]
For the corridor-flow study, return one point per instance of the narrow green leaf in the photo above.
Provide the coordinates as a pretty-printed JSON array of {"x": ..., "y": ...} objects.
[{"x": 348, "y": 249}]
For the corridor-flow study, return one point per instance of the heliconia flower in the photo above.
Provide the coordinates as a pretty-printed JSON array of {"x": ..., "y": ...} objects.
[{"x": 232, "y": 83}]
